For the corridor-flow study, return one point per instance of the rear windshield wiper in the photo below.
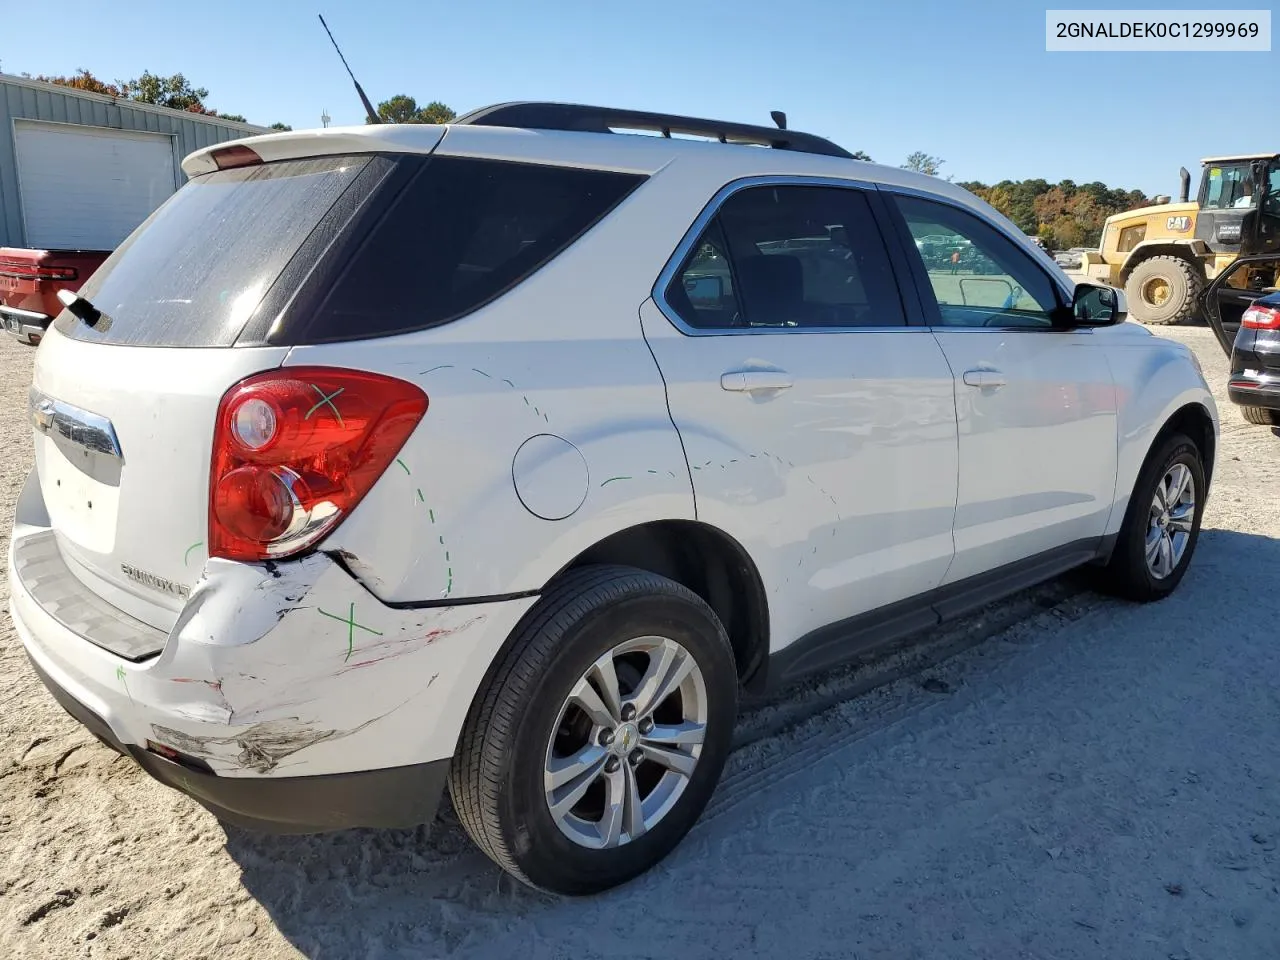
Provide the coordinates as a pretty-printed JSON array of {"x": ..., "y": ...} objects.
[{"x": 80, "y": 307}]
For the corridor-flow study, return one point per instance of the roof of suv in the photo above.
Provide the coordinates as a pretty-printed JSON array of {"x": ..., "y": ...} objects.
[{"x": 585, "y": 136}]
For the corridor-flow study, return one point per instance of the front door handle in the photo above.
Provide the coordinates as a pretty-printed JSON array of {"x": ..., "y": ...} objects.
[
  {"x": 749, "y": 381},
  {"x": 985, "y": 378}
]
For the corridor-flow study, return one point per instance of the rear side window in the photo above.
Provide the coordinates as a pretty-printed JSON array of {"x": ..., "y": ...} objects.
[
  {"x": 195, "y": 271},
  {"x": 463, "y": 232},
  {"x": 789, "y": 257}
]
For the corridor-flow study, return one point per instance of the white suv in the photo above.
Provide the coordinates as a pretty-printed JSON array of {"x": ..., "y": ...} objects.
[{"x": 505, "y": 453}]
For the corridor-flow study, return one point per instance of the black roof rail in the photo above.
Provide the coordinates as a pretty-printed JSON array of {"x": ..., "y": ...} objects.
[{"x": 585, "y": 119}]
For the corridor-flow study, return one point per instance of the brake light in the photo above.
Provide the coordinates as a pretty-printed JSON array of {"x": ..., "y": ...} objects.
[
  {"x": 1261, "y": 318},
  {"x": 226, "y": 158},
  {"x": 294, "y": 451}
]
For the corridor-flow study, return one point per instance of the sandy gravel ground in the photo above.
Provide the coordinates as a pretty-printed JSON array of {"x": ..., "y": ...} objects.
[{"x": 1063, "y": 776}]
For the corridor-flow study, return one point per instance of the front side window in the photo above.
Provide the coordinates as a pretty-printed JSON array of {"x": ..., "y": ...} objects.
[
  {"x": 979, "y": 277},
  {"x": 789, "y": 257}
]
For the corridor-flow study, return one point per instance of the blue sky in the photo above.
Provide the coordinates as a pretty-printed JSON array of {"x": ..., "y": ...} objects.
[{"x": 970, "y": 83}]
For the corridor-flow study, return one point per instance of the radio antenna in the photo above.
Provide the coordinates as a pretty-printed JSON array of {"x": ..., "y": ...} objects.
[{"x": 368, "y": 107}]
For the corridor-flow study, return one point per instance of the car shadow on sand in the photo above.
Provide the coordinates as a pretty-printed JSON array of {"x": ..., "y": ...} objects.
[{"x": 428, "y": 892}]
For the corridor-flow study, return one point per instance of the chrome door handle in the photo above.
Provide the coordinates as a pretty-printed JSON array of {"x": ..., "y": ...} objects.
[
  {"x": 748, "y": 381},
  {"x": 985, "y": 378}
]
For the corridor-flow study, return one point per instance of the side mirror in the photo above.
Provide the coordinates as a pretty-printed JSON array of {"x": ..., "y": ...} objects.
[{"x": 1093, "y": 305}]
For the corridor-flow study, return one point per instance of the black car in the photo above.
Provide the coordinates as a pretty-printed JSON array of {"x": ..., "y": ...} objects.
[{"x": 1255, "y": 362}]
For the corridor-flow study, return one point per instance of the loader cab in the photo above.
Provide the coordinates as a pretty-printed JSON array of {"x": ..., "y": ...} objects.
[
  {"x": 1239, "y": 204},
  {"x": 1239, "y": 218}
]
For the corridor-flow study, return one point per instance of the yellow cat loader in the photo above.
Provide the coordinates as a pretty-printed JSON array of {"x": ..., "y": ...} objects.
[{"x": 1166, "y": 255}]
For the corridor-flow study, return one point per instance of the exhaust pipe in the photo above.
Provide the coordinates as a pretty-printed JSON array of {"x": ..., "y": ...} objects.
[{"x": 1185, "y": 193}]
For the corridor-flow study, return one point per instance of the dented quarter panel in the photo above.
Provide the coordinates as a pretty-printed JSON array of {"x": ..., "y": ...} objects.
[{"x": 461, "y": 530}]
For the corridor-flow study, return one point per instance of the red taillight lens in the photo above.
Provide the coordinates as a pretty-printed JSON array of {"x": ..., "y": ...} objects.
[
  {"x": 1261, "y": 318},
  {"x": 294, "y": 451}
]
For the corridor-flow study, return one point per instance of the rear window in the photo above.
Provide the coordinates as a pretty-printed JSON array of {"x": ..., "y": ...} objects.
[
  {"x": 194, "y": 273},
  {"x": 350, "y": 256}
]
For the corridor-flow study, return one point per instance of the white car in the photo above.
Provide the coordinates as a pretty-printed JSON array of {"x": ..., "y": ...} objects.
[{"x": 503, "y": 454}]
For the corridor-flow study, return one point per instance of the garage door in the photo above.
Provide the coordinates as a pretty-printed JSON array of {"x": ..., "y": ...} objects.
[{"x": 87, "y": 188}]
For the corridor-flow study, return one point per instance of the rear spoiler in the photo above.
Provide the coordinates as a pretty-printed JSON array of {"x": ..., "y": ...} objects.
[{"x": 295, "y": 144}]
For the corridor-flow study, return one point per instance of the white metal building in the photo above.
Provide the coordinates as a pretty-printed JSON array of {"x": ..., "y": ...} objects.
[{"x": 80, "y": 170}]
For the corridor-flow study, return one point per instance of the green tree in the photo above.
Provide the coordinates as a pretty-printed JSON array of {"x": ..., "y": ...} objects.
[
  {"x": 403, "y": 108},
  {"x": 232, "y": 116},
  {"x": 280, "y": 126},
  {"x": 924, "y": 163},
  {"x": 175, "y": 92},
  {"x": 862, "y": 155}
]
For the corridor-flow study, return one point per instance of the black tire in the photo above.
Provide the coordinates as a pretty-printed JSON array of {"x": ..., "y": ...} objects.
[
  {"x": 1127, "y": 575},
  {"x": 1185, "y": 287},
  {"x": 1261, "y": 416},
  {"x": 496, "y": 777}
]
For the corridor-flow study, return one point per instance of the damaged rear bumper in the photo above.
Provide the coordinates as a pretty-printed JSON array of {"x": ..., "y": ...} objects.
[
  {"x": 396, "y": 797},
  {"x": 285, "y": 696}
]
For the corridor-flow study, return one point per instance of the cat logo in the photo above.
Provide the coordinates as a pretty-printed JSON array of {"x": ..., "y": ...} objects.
[{"x": 1178, "y": 224}]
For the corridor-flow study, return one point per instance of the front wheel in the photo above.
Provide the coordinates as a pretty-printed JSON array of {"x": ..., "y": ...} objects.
[
  {"x": 1163, "y": 290},
  {"x": 598, "y": 740},
  {"x": 1162, "y": 524}
]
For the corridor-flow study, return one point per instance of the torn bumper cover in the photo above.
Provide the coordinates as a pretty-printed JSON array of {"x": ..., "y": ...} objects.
[
  {"x": 398, "y": 797},
  {"x": 286, "y": 697}
]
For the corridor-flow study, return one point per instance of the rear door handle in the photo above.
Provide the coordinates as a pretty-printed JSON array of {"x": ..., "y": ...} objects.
[
  {"x": 748, "y": 381},
  {"x": 985, "y": 378}
]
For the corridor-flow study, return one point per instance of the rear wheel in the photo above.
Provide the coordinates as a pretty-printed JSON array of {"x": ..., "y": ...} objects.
[
  {"x": 1162, "y": 524},
  {"x": 1261, "y": 416},
  {"x": 595, "y": 745},
  {"x": 1163, "y": 291}
]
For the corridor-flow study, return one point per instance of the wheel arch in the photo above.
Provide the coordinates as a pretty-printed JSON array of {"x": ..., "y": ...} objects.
[
  {"x": 1195, "y": 421},
  {"x": 707, "y": 561}
]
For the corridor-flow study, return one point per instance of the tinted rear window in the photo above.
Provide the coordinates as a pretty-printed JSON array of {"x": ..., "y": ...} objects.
[
  {"x": 195, "y": 272},
  {"x": 463, "y": 232}
]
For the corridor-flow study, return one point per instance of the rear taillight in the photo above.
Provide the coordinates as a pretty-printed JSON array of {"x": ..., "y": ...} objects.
[
  {"x": 294, "y": 451},
  {"x": 1261, "y": 318}
]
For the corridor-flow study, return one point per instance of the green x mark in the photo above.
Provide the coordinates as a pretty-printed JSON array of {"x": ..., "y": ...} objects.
[
  {"x": 350, "y": 621},
  {"x": 325, "y": 400}
]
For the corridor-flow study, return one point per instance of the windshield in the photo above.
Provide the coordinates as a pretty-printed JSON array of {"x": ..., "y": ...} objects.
[
  {"x": 1228, "y": 186},
  {"x": 195, "y": 271}
]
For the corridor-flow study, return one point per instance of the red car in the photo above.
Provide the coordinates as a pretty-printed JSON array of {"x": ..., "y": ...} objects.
[{"x": 29, "y": 285}]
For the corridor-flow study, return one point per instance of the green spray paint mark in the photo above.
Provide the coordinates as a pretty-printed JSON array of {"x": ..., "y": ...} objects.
[
  {"x": 443, "y": 366},
  {"x": 121, "y": 676},
  {"x": 403, "y": 467},
  {"x": 350, "y": 621},
  {"x": 187, "y": 556},
  {"x": 611, "y": 479},
  {"x": 325, "y": 400},
  {"x": 482, "y": 373},
  {"x": 421, "y": 498},
  {"x": 432, "y": 514}
]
